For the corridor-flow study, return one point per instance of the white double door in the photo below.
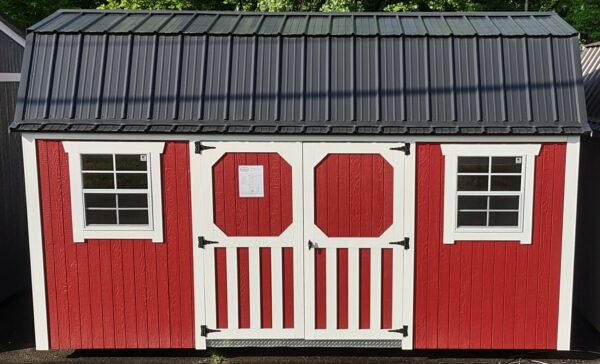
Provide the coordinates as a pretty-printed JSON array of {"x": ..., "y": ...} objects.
[{"x": 303, "y": 240}]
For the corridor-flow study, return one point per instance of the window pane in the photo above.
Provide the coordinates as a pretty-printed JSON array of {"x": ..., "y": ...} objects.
[
  {"x": 95, "y": 217},
  {"x": 131, "y": 162},
  {"x": 133, "y": 200},
  {"x": 504, "y": 218},
  {"x": 506, "y": 164},
  {"x": 472, "y": 183},
  {"x": 504, "y": 202},
  {"x": 471, "y": 218},
  {"x": 98, "y": 180},
  {"x": 472, "y": 202},
  {"x": 100, "y": 200},
  {"x": 473, "y": 164},
  {"x": 96, "y": 162},
  {"x": 506, "y": 183},
  {"x": 133, "y": 217},
  {"x": 132, "y": 180}
]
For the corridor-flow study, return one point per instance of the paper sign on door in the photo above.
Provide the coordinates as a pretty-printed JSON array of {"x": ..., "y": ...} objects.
[{"x": 251, "y": 181}]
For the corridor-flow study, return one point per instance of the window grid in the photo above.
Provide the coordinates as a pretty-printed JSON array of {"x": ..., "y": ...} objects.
[
  {"x": 115, "y": 191},
  {"x": 489, "y": 193}
]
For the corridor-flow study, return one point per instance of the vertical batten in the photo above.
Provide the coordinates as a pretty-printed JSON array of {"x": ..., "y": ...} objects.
[
  {"x": 211, "y": 287},
  {"x": 376, "y": 280},
  {"x": 331, "y": 287},
  {"x": 232, "y": 288},
  {"x": 398, "y": 288},
  {"x": 255, "y": 302},
  {"x": 277, "y": 288}
]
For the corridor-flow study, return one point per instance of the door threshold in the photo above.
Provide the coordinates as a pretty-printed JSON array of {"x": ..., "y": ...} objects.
[{"x": 302, "y": 343}]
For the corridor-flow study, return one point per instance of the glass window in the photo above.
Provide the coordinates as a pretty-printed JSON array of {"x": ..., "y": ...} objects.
[
  {"x": 115, "y": 189},
  {"x": 489, "y": 191}
]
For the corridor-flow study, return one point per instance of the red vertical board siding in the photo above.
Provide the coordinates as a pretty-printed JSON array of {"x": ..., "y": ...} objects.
[
  {"x": 493, "y": 294},
  {"x": 269, "y": 215},
  {"x": 320, "y": 289},
  {"x": 288, "y": 287},
  {"x": 266, "y": 301},
  {"x": 117, "y": 293},
  {"x": 364, "y": 320},
  {"x": 221, "y": 286},
  {"x": 353, "y": 195},
  {"x": 342, "y": 288},
  {"x": 243, "y": 288},
  {"x": 387, "y": 279}
]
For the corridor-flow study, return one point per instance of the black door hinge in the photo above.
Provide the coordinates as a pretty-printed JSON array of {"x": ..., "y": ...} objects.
[
  {"x": 405, "y": 148},
  {"x": 203, "y": 242},
  {"x": 405, "y": 243},
  {"x": 200, "y": 147},
  {"x": 403, "y": 331},
  {"x": 312, "y": 245},
  {"x": 204, "y": 331}
]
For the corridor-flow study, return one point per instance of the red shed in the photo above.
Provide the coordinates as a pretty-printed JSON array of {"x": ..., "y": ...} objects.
[{"x": 246, "y": 179}]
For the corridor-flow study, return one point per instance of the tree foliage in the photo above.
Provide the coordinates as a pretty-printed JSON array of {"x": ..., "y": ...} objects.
[{"x": 584, "y": 15}]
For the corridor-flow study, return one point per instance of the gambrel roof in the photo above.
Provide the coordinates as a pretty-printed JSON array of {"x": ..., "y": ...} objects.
[{"x": 369, "y": 73}]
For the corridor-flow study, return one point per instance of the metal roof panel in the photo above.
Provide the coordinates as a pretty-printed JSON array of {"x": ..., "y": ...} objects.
[
  {"x": 389, "y": 25},
  {"x": 483, "y": 26},
  {"x": 436, "y": 26},
  {"x": 319, "y": 25},
  {"x": 413, "y": 26},
  {"x": 366, "y": 25},
  {"x": 342, "y": 25},
  {"x": 460, "y": 26}
]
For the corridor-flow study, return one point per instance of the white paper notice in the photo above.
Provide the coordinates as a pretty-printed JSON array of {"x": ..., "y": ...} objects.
[{"x": 251, "y": 180}]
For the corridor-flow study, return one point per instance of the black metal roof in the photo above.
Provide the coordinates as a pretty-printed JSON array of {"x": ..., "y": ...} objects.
[
  {"x": 215, "y": 72},
  {"x": 590, "y": 64}
]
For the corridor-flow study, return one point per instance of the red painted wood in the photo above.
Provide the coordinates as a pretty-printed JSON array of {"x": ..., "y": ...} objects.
[
  {"x": 266, "y": 296},
  {"x": 353, "y": 195},
  {"x": 342, "y": 288},
  {"x": 221, "y": 286},
  {"x": 494, "y": 294},
  {"x": 288, "y": 287},
  {"x": 387, "y": 280},
  {"x": 320, "y": 288},
  {"x": 117, "y": 293},
  {"x": 243, "y": 288},
  {"x": 242, "y": 216},
  {"x": 364, "y": 320}
]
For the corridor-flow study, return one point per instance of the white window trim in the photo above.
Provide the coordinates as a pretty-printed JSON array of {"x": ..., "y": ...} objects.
[
  {"x": 82, "y": 232},
  {"x": 522, "y": 233}
]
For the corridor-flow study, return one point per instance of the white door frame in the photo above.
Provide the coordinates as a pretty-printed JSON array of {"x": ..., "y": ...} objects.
[
  {"x": 203, "y": 225},
  {"x": 402, "y": 226}
]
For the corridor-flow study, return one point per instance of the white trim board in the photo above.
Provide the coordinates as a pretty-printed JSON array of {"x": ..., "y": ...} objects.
[
  {"x": 36, "y": 248},
  {"x": 81, "y": 232},
  {"x": 567, "y": 264},
  {"x": 10, "y": 77},
  {"x": 12, "y": 34},
  {"x": 523, "y": 231}
]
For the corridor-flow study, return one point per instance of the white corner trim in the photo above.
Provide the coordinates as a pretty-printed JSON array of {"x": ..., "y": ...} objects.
[
  {"x": 12, "y": 34},
  {"x": 80, "y": 231},
  {"x": 523, "y": 232},
  {"x": 565, "y": 303},
  {"x": 10, "y": 77},
  {"x": 36, "y": 248}
]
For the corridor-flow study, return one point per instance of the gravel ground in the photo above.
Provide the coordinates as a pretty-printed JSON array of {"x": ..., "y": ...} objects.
[{"x": 16, "y": 346}]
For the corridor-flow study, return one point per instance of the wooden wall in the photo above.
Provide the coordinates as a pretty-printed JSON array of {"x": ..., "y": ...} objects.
[
  {"x": 118, "y": 293},
  {"x": 495, "y": 294},
  {"x": 14, "y": 258}
]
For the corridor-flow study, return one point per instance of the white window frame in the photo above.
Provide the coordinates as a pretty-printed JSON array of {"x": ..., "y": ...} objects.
[
  {"x": 154, "y": 229},
  {"x": 521, "y": 233}
]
